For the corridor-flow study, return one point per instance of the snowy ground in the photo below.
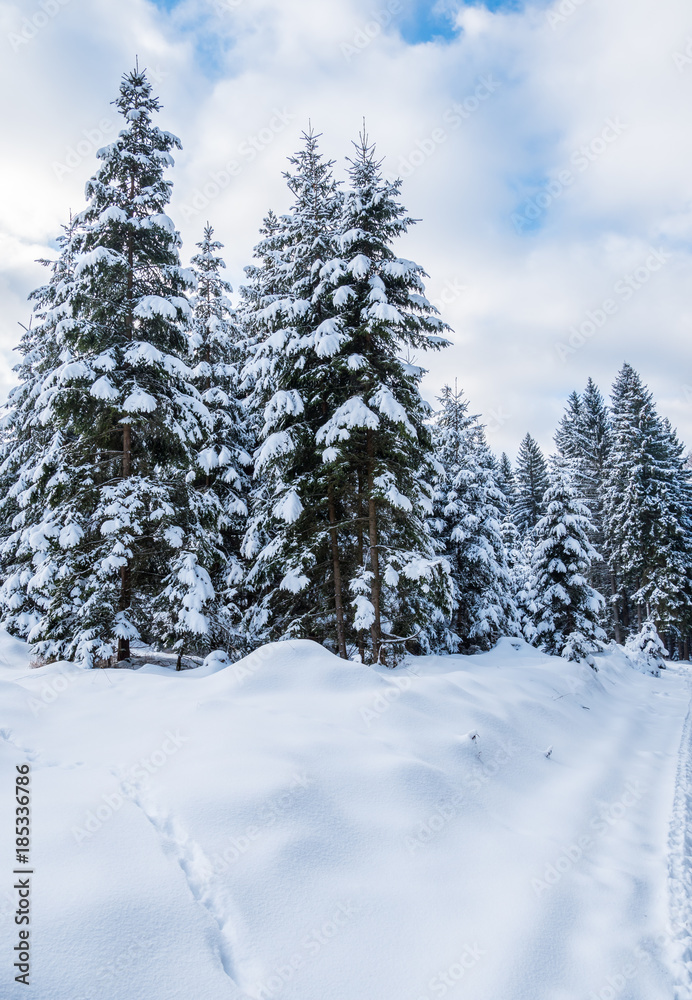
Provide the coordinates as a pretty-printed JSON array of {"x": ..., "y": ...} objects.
[{"x": 297, "y": 827}]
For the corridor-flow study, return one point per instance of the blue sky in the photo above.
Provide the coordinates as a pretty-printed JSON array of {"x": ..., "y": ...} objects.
[
  {"x": 524, "y": 235},
  {"x": 420, "y": 22}
]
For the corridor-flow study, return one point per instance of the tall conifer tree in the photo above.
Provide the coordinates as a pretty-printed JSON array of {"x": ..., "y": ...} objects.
[
  {"x": 31, "y": 445},
  {"x": 469, "y": 509},
  {"x": 224, "y": 459},
  {"x": 123, "y": 536},
  {"x": 584, "y": 440},
  {"x": 648, "y": 511},
  {"x": 531, "y": 480},
  {"x": 338, "y": 533},
  {"x": 376, "y": 438},
  {"x": 294, "y": 572},
  {"x": 567, "y": 610},
  {"x": 506, "y": 482}
]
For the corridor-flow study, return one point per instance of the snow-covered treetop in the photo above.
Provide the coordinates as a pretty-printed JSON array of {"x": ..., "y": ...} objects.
[
  {"x": 531, "y": 478},
  {"x": 123, "y": 337},
  {"x": 372, "y": 219},
  {"x": 128, "y": 265},
  {"x": 279, "y": 310},
  {"x": 131, "y": 177},
  {"x": 212, "y": 307},
  {"x": 452, "y": 425},
  {"x": 316, "y": 200}
]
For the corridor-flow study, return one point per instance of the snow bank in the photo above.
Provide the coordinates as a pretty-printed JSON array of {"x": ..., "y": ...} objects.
[{"x": 295, "y": 827}]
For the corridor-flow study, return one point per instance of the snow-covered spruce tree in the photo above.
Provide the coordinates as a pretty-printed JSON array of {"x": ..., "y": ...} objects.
[
  {"x": 568, "y": 431},
  {"x": 592, "y": 451},
  {"x": 583, "y": 442},
  {"x": 30, "y": 445},
  {"x": 124, "y": 537},
  {"x": 224, "y": 456},
  {"x": 567, "y": 609},
  {"x": 646, "y": 649},
  {"x": 524, "y": 592},
  {"x": 338, "y": 530},
  {"x": 518, "y": 553},
  {"x": 531, "y": 481},
  {"x": 375, "y": 441},
  {"x": 506, "y": 483},
  {"x": 295, "y": 573},
  {"x": 648, "y": 512},
  {"x": 260, "y": 317},
  {"x": 469, "y": 507},
  {"x": 674, "y": 583}
]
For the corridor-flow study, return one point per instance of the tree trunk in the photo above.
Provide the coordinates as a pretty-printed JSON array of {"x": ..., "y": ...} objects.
[
  {"x": 360, "y": 550},
  {"x": 125, "y": 577},
  {"x": 376, "y": 628},
  {"x": 124, "y": 604},
  {"x": 616, "y": 609},
  {"x": 125, "y": 572},
  {"x": 127, "y": 451},
  {"x": 208, "y": 360},
  {"x": 626, "y": 617},
  {"x": 340, "y": 632}
]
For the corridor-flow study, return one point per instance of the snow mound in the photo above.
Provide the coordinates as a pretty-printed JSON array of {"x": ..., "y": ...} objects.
[{"x": 292, "y": 825}]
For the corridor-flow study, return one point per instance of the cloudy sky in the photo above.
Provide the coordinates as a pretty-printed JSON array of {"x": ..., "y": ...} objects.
[{"x": 546, "y": 149}]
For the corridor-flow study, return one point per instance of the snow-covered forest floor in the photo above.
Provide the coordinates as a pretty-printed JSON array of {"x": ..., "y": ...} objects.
[{"x": 297, "y": 827}]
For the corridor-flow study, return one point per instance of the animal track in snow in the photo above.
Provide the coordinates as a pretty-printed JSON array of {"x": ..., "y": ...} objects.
[
  {"x": 35, "y": 757},
  {"x": 199, "y": 875}
]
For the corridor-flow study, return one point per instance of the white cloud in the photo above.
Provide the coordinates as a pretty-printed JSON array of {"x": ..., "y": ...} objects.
[{"x": 531, "y": 94}]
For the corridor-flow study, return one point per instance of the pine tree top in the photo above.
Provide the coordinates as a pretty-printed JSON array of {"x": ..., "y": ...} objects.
[
  {"x": 531, "y": 479},
  {"x": 135, "y": 160},
  {"x": 372, "y": 212}
]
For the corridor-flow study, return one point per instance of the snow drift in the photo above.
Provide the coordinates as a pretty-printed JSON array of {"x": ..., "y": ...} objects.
[{"x": 292, "y": 826}]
